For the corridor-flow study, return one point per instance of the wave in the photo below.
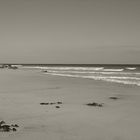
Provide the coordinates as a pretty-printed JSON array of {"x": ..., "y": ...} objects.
[
  {"x": 113, "y": 69},
  {"x": 72, "y": 68},
  {"x": 98, "y": 77},
  {"x": 123, "y": 80},
  {"x": 129, "y": 68},
  {"x": 84, "y": 72},
  {"x": 65, "y": 68},
  {"x": 94, "y": 72}
]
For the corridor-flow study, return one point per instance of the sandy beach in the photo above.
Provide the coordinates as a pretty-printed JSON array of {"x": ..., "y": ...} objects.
[{"x": 22, "y": 91}]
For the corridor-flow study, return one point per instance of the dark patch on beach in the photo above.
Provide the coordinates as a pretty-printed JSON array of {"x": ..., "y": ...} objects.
[
  {"x": 95, "y": 104},
  {"x": 14, "y": 125},
  {"x": 114, "y": 98},
  {"x": 7, "y": 128},
  {"x": 59, "y": 102},
  {"x": 51, "y": 103},
  {"x": 57, "y": 106},
  {"x": 44, "y": 103}
]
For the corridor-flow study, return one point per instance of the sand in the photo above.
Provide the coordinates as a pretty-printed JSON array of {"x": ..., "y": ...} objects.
[{"x": 22, "y": 91}]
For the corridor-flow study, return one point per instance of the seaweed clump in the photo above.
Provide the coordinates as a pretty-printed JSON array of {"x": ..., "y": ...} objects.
[
  {"x": 7, "y": 128},
  {"x": 95, "y": 104}
]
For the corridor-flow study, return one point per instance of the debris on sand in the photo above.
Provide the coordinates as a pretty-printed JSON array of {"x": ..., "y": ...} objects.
[
  {"x": 7, "y": 128},
  {"x": 59, "y": 102},
  {"x": 44, "y": 103},
  {"x": 114, "y": 98},
  {"x": 57, "y": 106},
  {"x": 14, "y": 125},
  {"x": 95, "y": 104},
  {"x": 51, "y": 103}
]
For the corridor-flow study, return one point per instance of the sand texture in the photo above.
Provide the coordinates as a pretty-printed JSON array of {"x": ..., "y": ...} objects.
[{"x": 22, "y": 91}]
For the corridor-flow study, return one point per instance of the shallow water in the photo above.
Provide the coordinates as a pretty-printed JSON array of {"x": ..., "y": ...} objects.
[{"x": 122, "y": 74}]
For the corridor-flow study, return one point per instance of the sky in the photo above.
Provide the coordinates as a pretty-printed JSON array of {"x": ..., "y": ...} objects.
[{"x": 70, "y": 31}]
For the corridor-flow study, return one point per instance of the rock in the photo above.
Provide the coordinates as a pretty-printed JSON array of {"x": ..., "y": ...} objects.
[
  {"x": 14, "y": 129},
  {"x": 14, "y": 125},
  {"x": 3, "y": 66},
  {"x": 59, "y": 102},
  {"x": 5, "y": 128},
  {"x": 52, "y": 103},
  {"x": 44, "y": 103},
  {"x": 95, "y": 104},
  {"x": 114, "y": 98},
  {"x": 57, "y": 106},
  {"x": 2, "y": 122}
]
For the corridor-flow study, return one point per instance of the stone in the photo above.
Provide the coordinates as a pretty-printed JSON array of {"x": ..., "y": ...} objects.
[
  {"x": 57, "y": 106},
  {"x": 95, "y": 104},
  {"x": 114, "y": 98},
  {"x": 59, "y": 102}
]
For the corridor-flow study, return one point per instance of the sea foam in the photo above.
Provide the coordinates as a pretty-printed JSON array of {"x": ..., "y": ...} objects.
[{"x": 121, "y": 80}]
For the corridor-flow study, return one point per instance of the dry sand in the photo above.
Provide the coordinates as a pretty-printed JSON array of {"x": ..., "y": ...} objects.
[{"x": 22, "y": 91}]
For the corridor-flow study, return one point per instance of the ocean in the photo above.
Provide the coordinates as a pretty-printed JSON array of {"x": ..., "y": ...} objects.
[{"x": 119, "y": 74}]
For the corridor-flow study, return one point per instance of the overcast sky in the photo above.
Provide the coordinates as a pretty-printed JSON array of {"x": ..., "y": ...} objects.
[{"x": 69, "y": 31}]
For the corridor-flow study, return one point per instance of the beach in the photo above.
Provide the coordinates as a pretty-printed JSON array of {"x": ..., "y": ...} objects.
[{"x": 22, "y": 91}]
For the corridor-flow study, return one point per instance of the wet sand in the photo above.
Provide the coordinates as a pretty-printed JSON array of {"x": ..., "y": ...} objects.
[{"x": 22, "y": 91}]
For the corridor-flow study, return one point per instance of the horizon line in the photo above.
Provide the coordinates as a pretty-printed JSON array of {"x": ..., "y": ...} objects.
[{"x": 66, "y": 64}]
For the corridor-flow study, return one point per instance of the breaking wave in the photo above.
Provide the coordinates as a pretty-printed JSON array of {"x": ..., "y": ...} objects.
[
  {"x": 95, "y": 72},
  {"x": 122, "y": 80},
  {"x": 81, "y": 68},
  {"x": 129, "y": 68},
  {"x": 113, "y": 69},
  {"x": 114, "y": 74},
  {"x": 66, "y": 68}
]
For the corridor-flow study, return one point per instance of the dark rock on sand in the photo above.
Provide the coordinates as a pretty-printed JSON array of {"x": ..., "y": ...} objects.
[
  {"x": 14, "y": 125},
  {"x": 59, "y": 102},
  {"x": 114, "y": 98},
  {"x": 51, "y": 103},
  {"x": 57, "y": 106},
  {"x": 2, "y": 122},
  {"x": 14, "y": 129},
  {"x": 7, "y": 128},
  {"x": 95, "y": 104},
  {"x": 44, "y": 103}
]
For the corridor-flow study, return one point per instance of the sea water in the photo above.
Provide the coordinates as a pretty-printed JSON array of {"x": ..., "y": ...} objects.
[{"x": 122, "y": 74}]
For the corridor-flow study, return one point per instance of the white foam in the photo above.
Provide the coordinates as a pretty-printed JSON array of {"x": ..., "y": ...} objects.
[
  {"x": 94, "y": 72},
  {"x": 65, "y": 68},
  {"x": 123, "y": 80},
  {"x": 113, "y": 69},
  {"x": 131, "y": 68},
  {"x": 84, "y": 72}
]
